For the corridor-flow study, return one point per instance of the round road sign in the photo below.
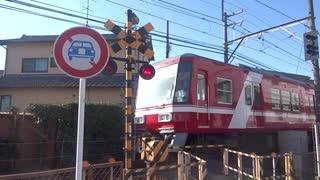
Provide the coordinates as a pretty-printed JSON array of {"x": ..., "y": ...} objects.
[{"x": 81, "y": 52}]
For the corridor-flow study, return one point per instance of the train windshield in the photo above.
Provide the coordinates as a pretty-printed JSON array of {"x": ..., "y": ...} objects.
[{"x": 170, "y": 84}]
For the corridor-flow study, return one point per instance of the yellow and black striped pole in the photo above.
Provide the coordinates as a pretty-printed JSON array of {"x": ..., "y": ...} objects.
[{"x": 128, "y": 100}]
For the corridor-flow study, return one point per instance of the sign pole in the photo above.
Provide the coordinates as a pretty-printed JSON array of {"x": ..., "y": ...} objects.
[
  {"x": 80, "y": 131},
  {"x": 78, "y": 64}
]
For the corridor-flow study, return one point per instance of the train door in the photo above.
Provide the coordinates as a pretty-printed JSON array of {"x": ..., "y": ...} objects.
[
  {"x": 252, "y": 101},
  {"x": 202, "y": 100}
]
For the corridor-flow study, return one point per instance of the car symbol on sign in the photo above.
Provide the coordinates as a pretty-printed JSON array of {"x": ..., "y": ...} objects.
[{"x": 81, "y": 49}]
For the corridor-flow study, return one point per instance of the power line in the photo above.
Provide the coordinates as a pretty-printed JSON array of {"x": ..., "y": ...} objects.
[
  {"x": 178, "y": 10},
  {"x": 68, "y": 14},
  {"x": 275, "y": 10},
  {"x": 71, "y": 10},
  {"x": 39, "y": 14},
  {"x": 190, "y": 10},
  {"x": 55, "y": 11},
  {"x": 158, "y": 17}
]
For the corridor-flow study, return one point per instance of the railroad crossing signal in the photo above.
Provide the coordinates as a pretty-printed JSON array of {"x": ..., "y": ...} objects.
[
  {"x": 311, "y": 49},
  {"x": 133, "y": 40},
  {"x": 129, "y": 40},
  {"x": 147, "y": 71}
]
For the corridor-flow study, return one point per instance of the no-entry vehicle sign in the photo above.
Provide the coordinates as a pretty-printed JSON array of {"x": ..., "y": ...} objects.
[{"x": 81, "y": 52}]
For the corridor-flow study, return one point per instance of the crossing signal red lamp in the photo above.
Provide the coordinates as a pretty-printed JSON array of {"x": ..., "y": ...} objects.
[{"x": 147, "y": 71}]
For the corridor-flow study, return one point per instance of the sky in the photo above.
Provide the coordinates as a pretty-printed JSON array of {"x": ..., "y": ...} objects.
[{"x": 195, "y": 26}]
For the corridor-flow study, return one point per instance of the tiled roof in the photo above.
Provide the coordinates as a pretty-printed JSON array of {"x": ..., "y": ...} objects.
[
  {"x": 59, "y": 81},
  {"x": 46, "y": 38}
]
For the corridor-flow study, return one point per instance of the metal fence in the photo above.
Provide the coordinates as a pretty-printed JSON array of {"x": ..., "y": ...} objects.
[
  {"x": 273, "y": 166},
  {"x": 104, "y": 171},
  {"x": 188, "y": 167},
  {"x": 287, "y": 166}
]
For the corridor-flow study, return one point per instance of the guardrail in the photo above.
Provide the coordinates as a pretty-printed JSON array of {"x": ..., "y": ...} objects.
[
  {"x": 188, "y": 167},
  {"x": 257, "y": 165}
]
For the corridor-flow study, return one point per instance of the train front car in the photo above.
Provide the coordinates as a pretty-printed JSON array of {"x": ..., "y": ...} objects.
[
  {"x": 205, "y": 102},
  {"x": 161, "y": 101}
]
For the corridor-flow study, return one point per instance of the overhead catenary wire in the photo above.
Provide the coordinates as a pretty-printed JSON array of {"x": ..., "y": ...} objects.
[
  {"x": 283, "y": 51},
  {"x": 263, "y": 21},
  {"x": 254, "y": 24}
]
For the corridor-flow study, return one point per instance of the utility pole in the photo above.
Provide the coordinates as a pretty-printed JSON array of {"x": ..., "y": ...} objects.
[
  {"x": 315, "y": 63},
  {"x": 225, "y": 17},
  {"x": 225, "y": 34},
  {"x": 167, "y": 43}
]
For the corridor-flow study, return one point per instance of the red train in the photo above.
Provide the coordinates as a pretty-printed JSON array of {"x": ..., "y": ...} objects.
[{"x": 195, "y": 95}]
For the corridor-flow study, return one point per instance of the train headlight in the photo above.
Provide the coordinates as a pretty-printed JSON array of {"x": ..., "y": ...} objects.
[
  {"x": 165, "y": 117},
  {"x": 139, "y": 120}
]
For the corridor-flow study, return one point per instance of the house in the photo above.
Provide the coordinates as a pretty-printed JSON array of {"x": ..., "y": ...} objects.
[{"x": 31, "y": 76}]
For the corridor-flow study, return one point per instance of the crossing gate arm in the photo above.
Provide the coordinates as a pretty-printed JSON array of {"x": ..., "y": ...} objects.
[{"x": 154, "y": 150}]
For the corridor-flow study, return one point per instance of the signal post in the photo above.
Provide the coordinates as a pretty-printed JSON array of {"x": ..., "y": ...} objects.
[{"x": 129, "y": 116}]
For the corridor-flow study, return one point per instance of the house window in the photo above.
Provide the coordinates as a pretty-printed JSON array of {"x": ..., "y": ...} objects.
[
  {"x": 35, "y": 65},
  {"x": 53, "y": 63},
  {"x": 224, "y": 91},
  {"x": 5, "y": 103},
  {"x": 275, "y": 98},
  {"x": 201, "y": 87},
  {"x": 285, "y": 100},
  {"x": 295, "y": 101}
]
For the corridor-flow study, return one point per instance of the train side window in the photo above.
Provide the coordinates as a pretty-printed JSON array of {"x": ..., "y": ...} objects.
[
  {"x": 275, "y": 98},
  {"x": 256, "y": 91},
  {"x": 224, "y": 91},
  {"x": 295, "y": 101},
  {"x": 248, "y": 94},
  {"x": 285, "y": 100},
  {"x": 201, "y": 95}
]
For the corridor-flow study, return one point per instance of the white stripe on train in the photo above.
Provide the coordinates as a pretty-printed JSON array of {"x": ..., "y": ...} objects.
[
  {"x": 226, "y": 111},
  {"x": 243, "y": 111}
]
